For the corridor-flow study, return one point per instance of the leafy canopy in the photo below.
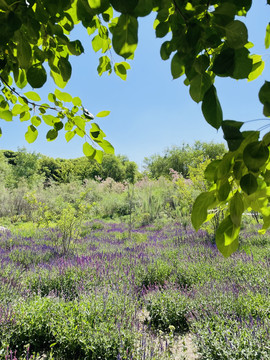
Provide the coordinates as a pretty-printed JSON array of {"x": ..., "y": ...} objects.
[{"x": 206, "y": 40}]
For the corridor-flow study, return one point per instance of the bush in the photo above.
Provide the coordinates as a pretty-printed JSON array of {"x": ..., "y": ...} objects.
[{"x": 169, "y": 308}]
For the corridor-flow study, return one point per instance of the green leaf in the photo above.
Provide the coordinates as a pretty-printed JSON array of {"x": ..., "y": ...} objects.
[
  {"x": 32, "y": 95},
  {"x": 0, "y": 132},
  {"x": 236, "y": 209},
  {"x": 201, "y": 63},
  {"x": 237, "y": 34},
  {"x": 88, "y": 149},
  {"x": 200, "y": 207},
  {"x": 31, "y": 134},
  {"x": 99, "y": 6},
  {"x": 162, "y": 29},
  {"x": 210, "y": 173},
  {"x": 103, "y": 113},
  {"x": 199, "y": 86},
  {"x": 6, "y": 115},
  {"x": 98, "y": 156},
  {"x": 36, "y": 120},
  {"x": 227, "y": 237},
  {"x": 232, "y": 133},
  {"x": 51, "y": 135},
  {"x": 224, "y": 191},
  {"x": 264, "y": 96},
  {"x": 211, "y": 108},
  {"x": 267, "y": 36},
  {"x": 58, "y": 125},
  {"x": 63, "y": 96},
  {"x": 224, "y": 63},
  {"x": 177, "y": 66},
  {"x": 257, "y": 67},
  {"x": 25, "y": 116},
  {"x": 166, "y": 50},
  {"x": 49, "y": 119},
  {"x": 36, "y": 76},
  {"x": 125, "y": 36},
  {"x": 69, "y": 135},
  {"x": 255, "y": 155},
  {"x": 124, "y": 6},
  {"x": 106, "y": 146},
  {"x": 58, "y": 79},
  {"x": 76, "y": 101},
  {"x": 75, "y": 47},
  {"x": 143, "y": 8},
  {"x": 121, "y": 69},
  {"x": 105, "y": 65},
  {"x": 21, "y": 81},
  {"x": 65, "y": 68},
  {"x": 18, "y": 109},
  {"x": 24, "y": 53},
  {"x": 249, "y": 184},
  {"x": 242, "y": 64}
]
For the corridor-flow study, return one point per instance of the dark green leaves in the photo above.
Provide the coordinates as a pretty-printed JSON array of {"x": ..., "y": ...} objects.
[
  {"x": 36, "y": 76},
  {"x": 199, "y": 86},
  {"x": 237, "y": 35},
  {"x": 249, "y": 184},
  {"x": 211, "y": 108},
  {"x": 51, "y": 135},
  {"x": 232, "y": 133},
  {"x": 65, "y": 68},
  {"x": 255, "y": 155},
  {"x": 124, "y": 6},
  {"x": 264, "y": 96},
  {"x": 177, "y": 65},
  {"x": 224, "y": 63},
  {"x": 99, "y": 6},
  {"x": 125, "y": 36}
]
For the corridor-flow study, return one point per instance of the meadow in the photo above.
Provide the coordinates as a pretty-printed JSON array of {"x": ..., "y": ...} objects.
[
  {"x": 112, "y": 270},
  {"x": 155, "y": 292}
]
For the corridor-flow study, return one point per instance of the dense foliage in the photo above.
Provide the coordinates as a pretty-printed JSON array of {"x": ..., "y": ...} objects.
[
  {"x": 18, "y": 166},
  {"x": 207, "y": 41}
]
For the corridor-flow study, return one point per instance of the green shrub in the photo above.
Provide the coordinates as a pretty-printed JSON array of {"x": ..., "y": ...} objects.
[{"x": 169, "y": 308}]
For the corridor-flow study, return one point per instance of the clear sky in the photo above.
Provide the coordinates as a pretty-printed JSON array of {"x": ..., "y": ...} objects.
[{"x": 149, "y": 111}]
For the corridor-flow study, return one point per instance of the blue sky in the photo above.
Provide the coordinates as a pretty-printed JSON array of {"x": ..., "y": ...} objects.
[{"x": 149, "y": 111}]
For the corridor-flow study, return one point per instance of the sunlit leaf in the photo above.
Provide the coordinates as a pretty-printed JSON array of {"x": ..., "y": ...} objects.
[
  {"x": 69, "y": 135},
  {"x": 63, "y": 96},
  {"x": 103, "y": 113},
  {"x": 6, "y": 115},
  {"x": 31, "y": 95},
  {"x": 31, "y": 134},
  {"x": 88, "y": 149}
]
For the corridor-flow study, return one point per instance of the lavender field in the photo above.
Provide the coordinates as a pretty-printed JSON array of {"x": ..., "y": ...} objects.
[{"x": 154, "y": 293}]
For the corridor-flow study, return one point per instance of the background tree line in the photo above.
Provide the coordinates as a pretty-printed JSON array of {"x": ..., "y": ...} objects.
[{"x": 32, "y": 167}]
